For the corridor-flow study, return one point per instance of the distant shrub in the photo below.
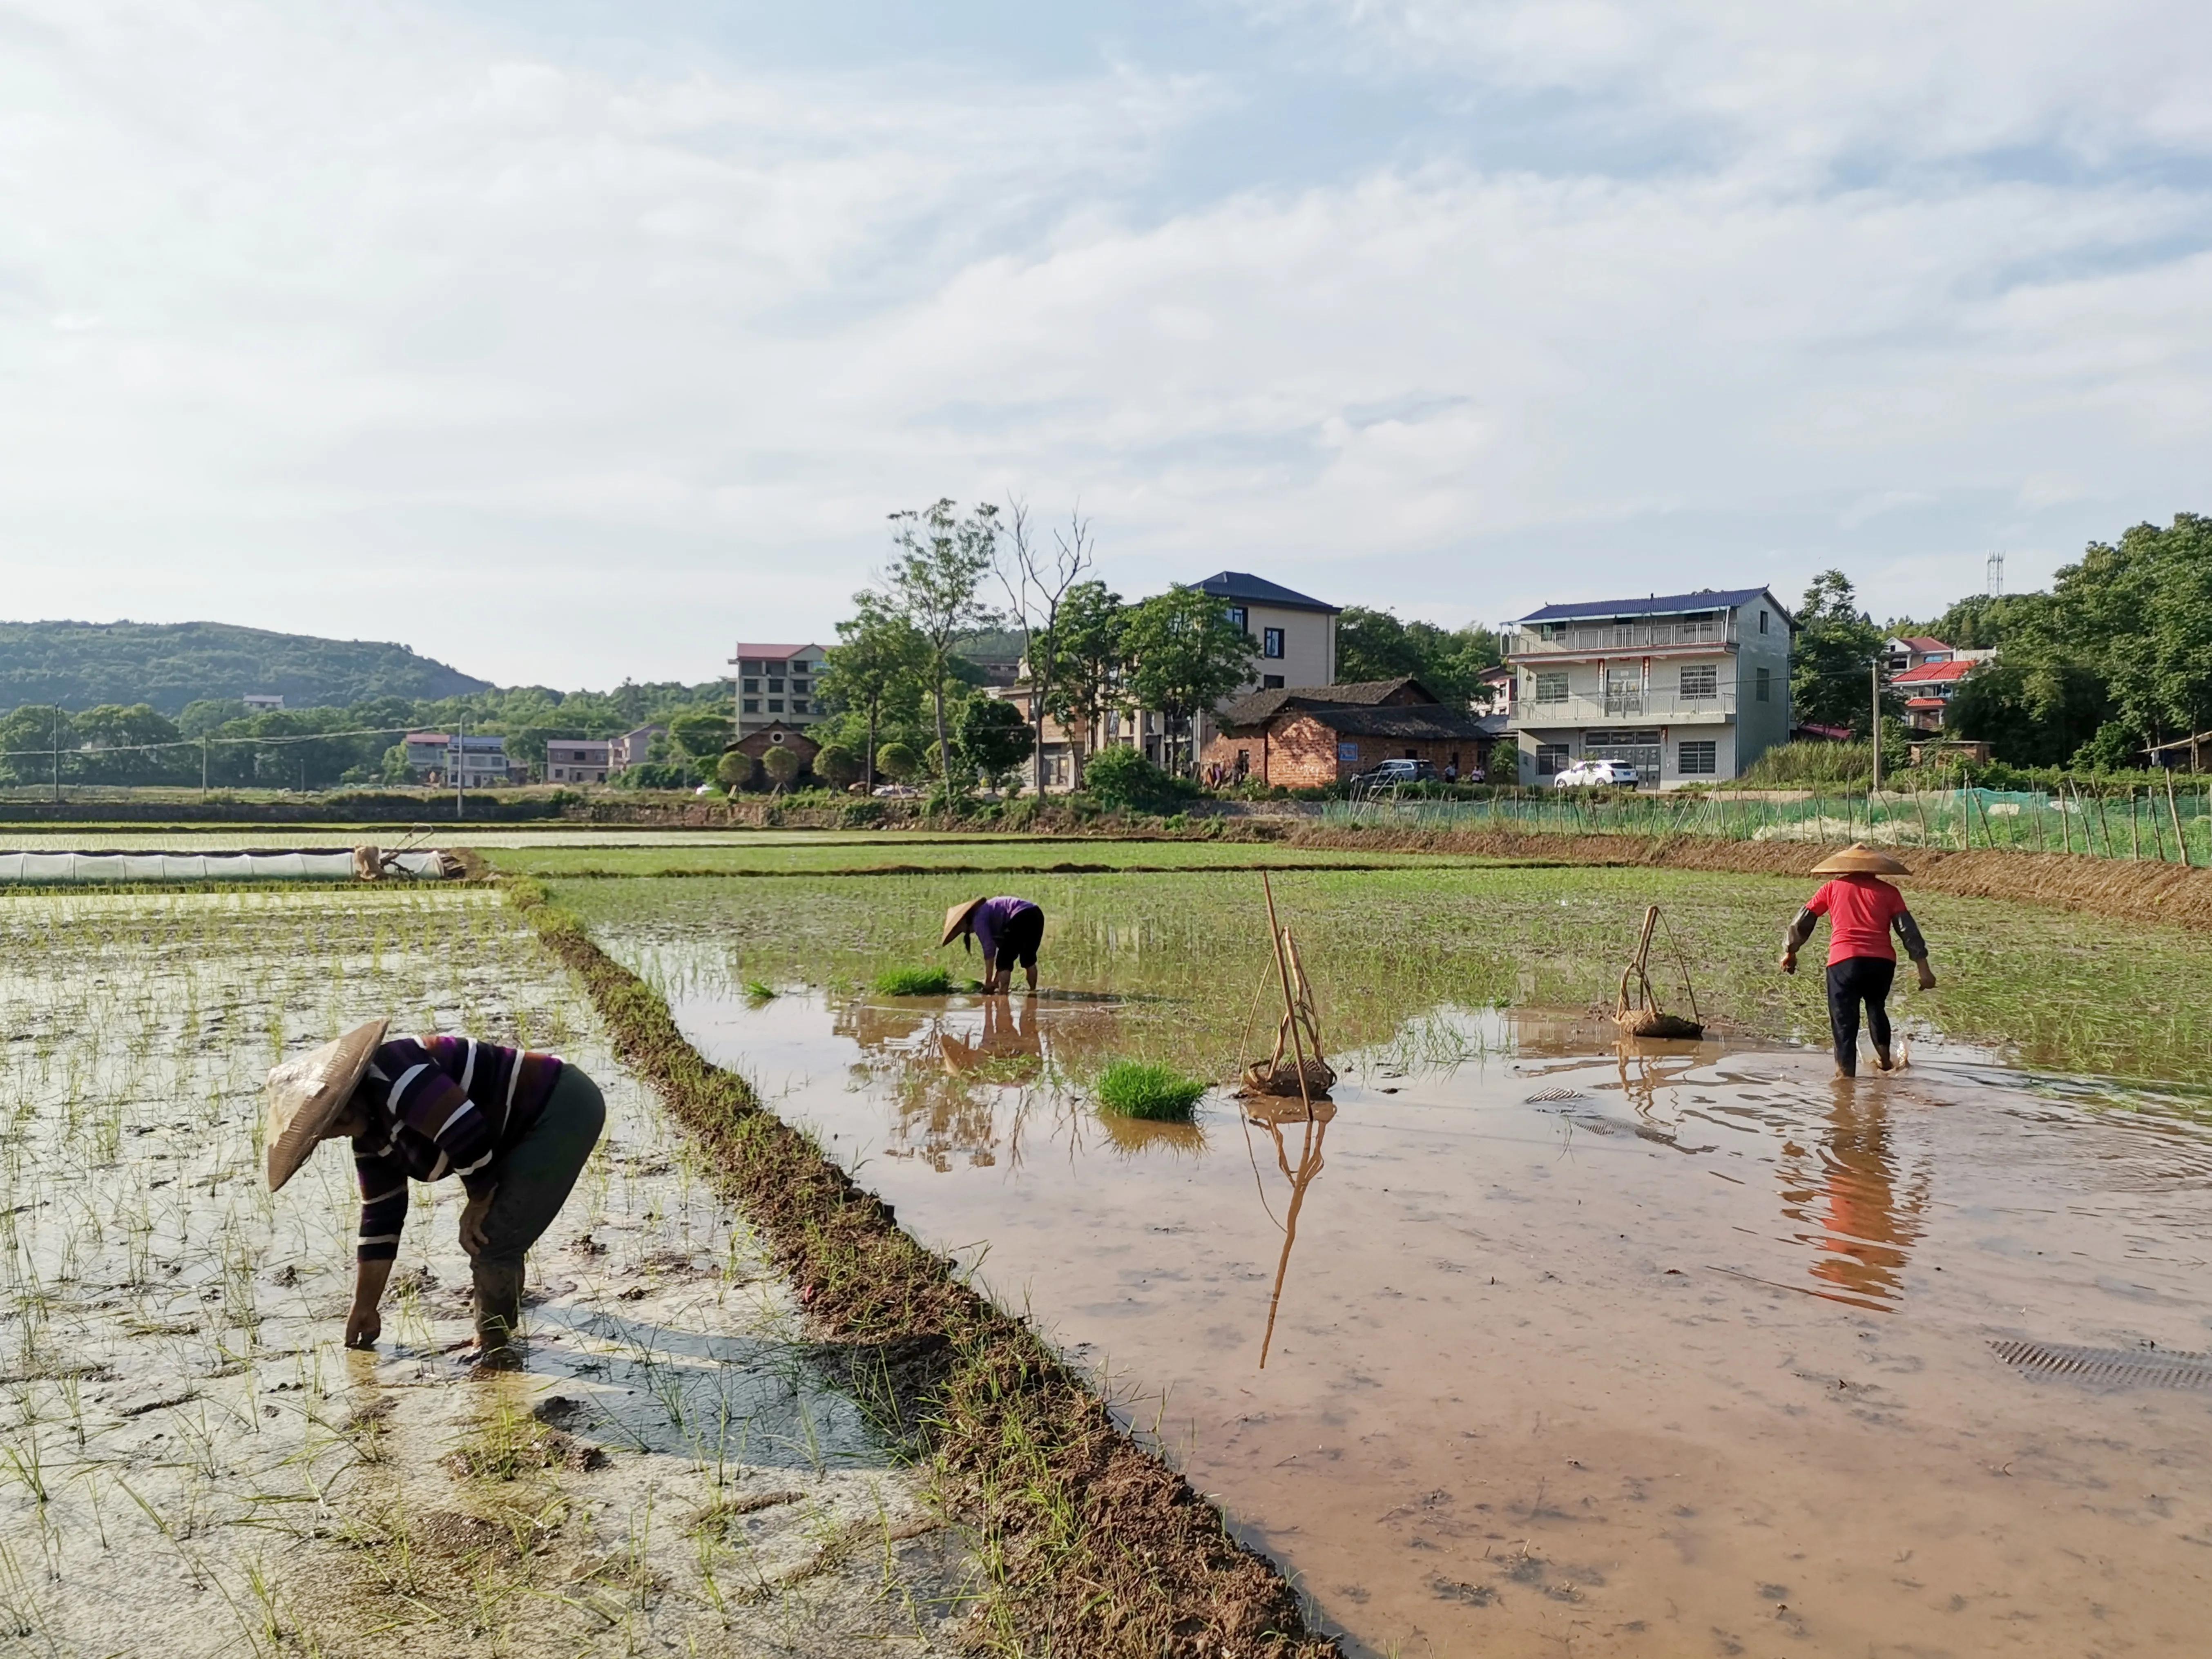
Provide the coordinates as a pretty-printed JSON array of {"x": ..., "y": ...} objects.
[
  {"x": 897, "y": 761},
  {"x": 913, "y": 983},
  {"x": 781, "y": 765},
  {"x": 1132, "y": 1088},
  {"x": 837, "y": 765},
  {"x": 1120, "y": 777},
  {"x": 735, "y": 769},
  {"x": 1811, "y": 763},
  {"x": 656, "y": 775}
]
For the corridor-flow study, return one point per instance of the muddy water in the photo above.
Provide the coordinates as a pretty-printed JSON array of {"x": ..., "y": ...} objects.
[{"x": 1575, "y": 1353}]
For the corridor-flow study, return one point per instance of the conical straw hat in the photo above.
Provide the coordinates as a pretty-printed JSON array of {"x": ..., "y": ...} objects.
[
  {"x": 304, "y": 1095},
  {"x": 955, "y": 918},
  {"x": 1859, "y": 860}
]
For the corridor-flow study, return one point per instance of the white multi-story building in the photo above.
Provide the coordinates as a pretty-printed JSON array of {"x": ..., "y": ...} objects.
[
  {"x": 778, "y": 685},
  {"x": 1688, "y": 687},
  {"x": 476, "y": 762}
]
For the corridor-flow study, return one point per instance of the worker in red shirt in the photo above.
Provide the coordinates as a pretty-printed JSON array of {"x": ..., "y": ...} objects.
[{"x": 1862, "y": 910}]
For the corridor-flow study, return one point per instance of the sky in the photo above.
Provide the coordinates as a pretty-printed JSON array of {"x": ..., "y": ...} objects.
[{"x": 570, "y": 341}]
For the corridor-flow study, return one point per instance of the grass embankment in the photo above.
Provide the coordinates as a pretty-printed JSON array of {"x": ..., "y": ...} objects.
[
  {"x": 1185, "y": 955},
  {"x": 1090, "y": 1544},
  {"x": 889, "y": 854}
]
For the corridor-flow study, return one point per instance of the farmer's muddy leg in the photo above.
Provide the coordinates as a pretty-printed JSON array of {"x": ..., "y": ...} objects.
[
  {"x": 1876, "y": 977},
  {"x": 535, "y": 1179}
]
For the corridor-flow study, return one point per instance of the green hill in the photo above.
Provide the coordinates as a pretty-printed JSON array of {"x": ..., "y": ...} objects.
[{"x": 83, "y": 665}]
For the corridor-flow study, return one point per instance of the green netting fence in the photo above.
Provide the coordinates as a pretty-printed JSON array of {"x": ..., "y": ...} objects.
[{"x": 2148, "y": 825}]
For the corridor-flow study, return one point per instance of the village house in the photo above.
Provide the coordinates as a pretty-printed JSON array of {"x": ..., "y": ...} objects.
[
  {"x": 778, "y": 685},
  {"x": 1296, "y": 637},
  {"x": 1928, "y": 688},
  {"x": 1688, "y": 687},
  {"x": 1911, "y": 651},
  {"x": 632, "y": 748},
  {"x": 1307, "y": 738},
  {"x": 476, "y": 762},
  {"x": 758, "y": 743},
  {"x": 577, "y": 760}
]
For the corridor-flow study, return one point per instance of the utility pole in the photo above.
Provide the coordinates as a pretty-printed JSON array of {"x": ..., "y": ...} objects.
[
  {"x": 461, "y": 765},
  {"x": 57, "y": 754},
  {"x": 203, "y": 765},
  {"x": 1875, "y": 672}
]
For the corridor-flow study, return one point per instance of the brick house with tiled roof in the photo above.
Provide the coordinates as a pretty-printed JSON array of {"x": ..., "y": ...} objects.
[{"x": 1307, "y": 737}]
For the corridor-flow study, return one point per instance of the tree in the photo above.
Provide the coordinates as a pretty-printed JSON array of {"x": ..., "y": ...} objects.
[
  {"x": 702, "y": 734},
  {"x": 1374, "y": 645},
  {"x": 32, "y": 729},
  {"x": 2032, "y": 712},
  {"x": 837, "y": 765},
  {"x": 899, "y": 762},
  {"x": 734, "y": 771},
  {"x": 1038, "y": 584},
  {"x": 1088, "y": 666},
  {"x": 1832, "y": 659},
  {"x": 128, "y": 745},
  {"x": 878, "y": 665},
  {"x": 1184, "y": 655},
  {"x": 935, "y": 583},
  {"x": 994, "y": 738},
  {"x": 781, "y": 765}
]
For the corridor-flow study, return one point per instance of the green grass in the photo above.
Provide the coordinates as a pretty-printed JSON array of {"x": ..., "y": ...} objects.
[
  {"x": 1384, "y": 947},
  {"x": 1136, "y": 1088},
  {"x": 913, "y": 983},
  {"x": 889, "y": 853}
]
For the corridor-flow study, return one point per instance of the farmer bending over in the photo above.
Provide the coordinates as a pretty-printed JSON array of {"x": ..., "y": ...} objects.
[
  {"x": 515, "y": 1127},
  {"x": 1008, "y": 929},
  {"x": 1862, "y": 909}
]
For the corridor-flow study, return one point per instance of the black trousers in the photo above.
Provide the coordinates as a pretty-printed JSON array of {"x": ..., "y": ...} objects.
[
  {"x": 1018, "y": 940},
  {"x": 1851, "y": 981}
]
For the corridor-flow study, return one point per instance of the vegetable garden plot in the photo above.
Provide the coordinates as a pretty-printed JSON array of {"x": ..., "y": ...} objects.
[{"x": 190, "y": 1463}]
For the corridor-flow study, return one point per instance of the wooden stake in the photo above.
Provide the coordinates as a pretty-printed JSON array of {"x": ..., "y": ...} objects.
[{"x": 2180, "y": 843}]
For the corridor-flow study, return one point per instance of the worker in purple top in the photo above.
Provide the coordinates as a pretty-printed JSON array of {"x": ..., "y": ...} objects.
[{"x": 1009, "y": 930}]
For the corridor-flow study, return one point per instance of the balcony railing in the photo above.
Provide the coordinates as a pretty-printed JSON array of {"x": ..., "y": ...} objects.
[
  {"x": 1620, "y": 636},
  {"x": 1660, "y": 707}
]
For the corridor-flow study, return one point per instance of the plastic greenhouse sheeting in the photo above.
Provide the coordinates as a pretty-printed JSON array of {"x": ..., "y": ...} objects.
[{"x": 334, "y": 864}]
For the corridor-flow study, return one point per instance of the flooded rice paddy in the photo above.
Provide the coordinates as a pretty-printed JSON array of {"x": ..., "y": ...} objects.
[
  {"x": 1530, "y": 1345},
  {"x": 190, "y": 1463}
]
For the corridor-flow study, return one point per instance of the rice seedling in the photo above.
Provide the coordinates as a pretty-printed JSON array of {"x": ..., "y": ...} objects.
[
  {"x": 913, "y": 983},
  {"x": 1136, "y": 1088}
]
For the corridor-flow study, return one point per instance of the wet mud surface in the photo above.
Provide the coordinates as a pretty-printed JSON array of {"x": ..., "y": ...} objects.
[
  {"x": 189, "y": 1461},
  {"x": 1574, "y": 1351}
]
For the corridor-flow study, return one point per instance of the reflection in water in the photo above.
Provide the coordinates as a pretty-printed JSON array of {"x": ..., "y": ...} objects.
[
  {"x": 1272, "y": 1114},
  {"x": 1862, "y": 1217},
  {"x": 963, "y": 1076}
]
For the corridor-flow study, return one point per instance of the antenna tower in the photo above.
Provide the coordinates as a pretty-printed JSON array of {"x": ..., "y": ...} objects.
[{"x": 1996, "y": 575}]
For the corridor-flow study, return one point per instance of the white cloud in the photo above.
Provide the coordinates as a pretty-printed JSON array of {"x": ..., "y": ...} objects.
[{"x": 376, "y": 322}]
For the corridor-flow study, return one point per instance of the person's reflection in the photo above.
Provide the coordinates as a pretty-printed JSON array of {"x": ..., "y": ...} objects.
[
  {"x": 1861, "y": 1214},
  {"x": 1009, "y": 1048},
  {"x": 1272, "y": 1116}
]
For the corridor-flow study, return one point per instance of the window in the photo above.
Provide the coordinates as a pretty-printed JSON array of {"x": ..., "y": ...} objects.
[
  {"x": 1700, "y": 760},
  {"x": 1552, "y": 688},
  {"x": 1763, "y": 687},
  {"x": 797, "y": 684},
  {"x": 1762, "y": 621},
  {"x": 1552, "y": 759},
  {"x": 1240, "y": 618},
  {"x": 775, "y": 685},
  {"x": 1701, "y": 680},
  {"x": 751, "y": 706},
  {"x": 775, "y": 705},
  {"x": 1271, "y": 682},
  {"x": 1272, "y": 643},
  {"x": 799, "y": 705}
]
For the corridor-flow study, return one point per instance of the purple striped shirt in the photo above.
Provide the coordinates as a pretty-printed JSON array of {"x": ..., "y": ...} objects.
[{"x": 438, "y": 1106}]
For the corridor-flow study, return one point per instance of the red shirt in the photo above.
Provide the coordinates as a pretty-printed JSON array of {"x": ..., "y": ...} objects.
[{"x": 1860, "y": 909}]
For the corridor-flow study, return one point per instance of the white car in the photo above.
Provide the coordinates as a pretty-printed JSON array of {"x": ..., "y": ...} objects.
[
  {"x": 895, "y": 791},
  {"x": 1594, "y": 775}
]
